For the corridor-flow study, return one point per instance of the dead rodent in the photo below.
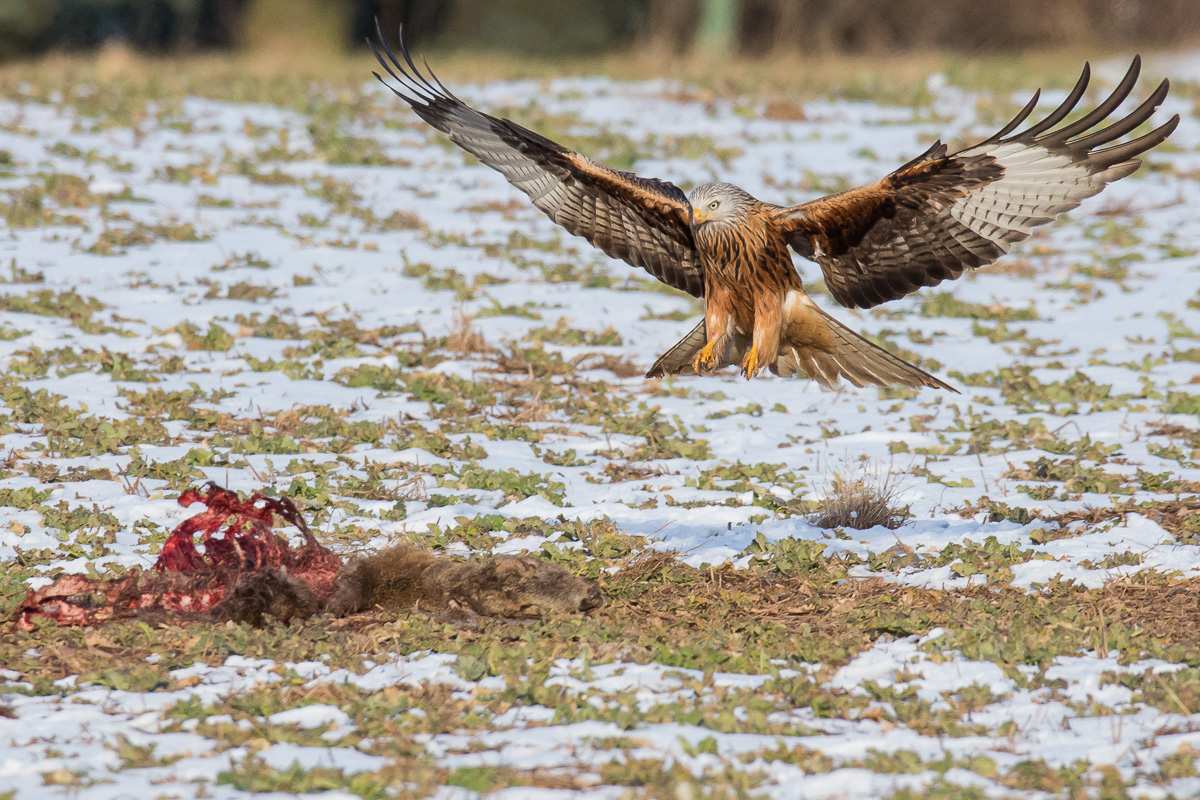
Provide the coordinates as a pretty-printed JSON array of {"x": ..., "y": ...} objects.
[
  {"x": 267, "y": 593},
  {"x": 407, "y": 577}
]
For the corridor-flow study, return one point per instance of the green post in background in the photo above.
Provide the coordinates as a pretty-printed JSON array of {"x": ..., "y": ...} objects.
[{"x": 718, "y": 25}]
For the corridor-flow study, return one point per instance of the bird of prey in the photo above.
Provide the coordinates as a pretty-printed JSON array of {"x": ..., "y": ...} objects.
[{"x": 927, "y": 222}]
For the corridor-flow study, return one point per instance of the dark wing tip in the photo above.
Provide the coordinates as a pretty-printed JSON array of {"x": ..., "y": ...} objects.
[
  {"x": 1018, "y": 119},
  {"x": 940, "y": 384},
  {"x": 1134, "y": 147},
  {"x": 1079, "y": 137}
]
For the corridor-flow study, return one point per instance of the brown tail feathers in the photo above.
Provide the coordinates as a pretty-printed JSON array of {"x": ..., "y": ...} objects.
[
  {"x": 813, "y": 344},
  {"x": 678, "y": 360}
]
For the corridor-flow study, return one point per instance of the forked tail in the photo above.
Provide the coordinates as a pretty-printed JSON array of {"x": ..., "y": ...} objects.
[
  {"x": 813, "y": 344},
  {"x": 845, "y": 354}
]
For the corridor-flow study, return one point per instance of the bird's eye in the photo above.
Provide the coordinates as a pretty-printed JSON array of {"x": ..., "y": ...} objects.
[{"x": 713, "y": 205}]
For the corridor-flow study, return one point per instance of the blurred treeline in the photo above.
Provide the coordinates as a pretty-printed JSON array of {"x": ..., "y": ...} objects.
[{"x": 563, "y": 27}]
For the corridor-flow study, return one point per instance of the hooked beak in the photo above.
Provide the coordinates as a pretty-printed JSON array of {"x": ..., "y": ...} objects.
[{"x": 699, "y": 216}]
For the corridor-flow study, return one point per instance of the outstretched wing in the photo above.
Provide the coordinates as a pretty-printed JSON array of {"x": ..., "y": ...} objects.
[
  {"x": 939, "y": 214},
  {"x": 642, "y": 221}
]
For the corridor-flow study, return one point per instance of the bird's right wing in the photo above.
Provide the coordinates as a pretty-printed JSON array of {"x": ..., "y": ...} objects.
[{"x": 643, "y": 221}]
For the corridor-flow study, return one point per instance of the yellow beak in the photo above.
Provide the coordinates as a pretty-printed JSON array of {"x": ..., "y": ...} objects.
[{"x": 699, "y": 216}]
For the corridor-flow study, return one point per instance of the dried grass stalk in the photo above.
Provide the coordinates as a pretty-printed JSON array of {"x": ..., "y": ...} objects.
[
  {"x": 464, "y": 339},
  {"x": 861, "y": 500}
]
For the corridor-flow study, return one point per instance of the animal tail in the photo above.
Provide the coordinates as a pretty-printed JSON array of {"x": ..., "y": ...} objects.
[
  {"x": 845, "y": 354},
  {"x": 678, "y": 360},
  {"x": 813, "y": 344}
]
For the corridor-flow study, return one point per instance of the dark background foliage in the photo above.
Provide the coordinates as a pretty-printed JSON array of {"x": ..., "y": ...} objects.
[{"x": 562, "y": 27}]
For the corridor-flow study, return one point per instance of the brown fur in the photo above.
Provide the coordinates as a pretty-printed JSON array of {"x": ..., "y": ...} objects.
[
  {"x": 267, "y": 593},
  {"x": 407, "y": 577}
]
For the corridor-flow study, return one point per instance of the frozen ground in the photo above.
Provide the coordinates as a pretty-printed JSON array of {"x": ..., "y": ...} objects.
[{"x": 330, "y": 301}]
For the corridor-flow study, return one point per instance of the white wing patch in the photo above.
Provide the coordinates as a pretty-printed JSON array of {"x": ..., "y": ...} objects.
[{"x": 1037, "y": 185}]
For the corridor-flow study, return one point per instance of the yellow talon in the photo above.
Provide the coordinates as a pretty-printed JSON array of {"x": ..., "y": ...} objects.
[
  {"x": 706, "y": 359},
  {"x": 750, "y": 365}
]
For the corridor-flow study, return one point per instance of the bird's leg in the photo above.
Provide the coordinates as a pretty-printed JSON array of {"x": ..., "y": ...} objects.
[
  {"x": 716, "y": 325},
  {"x": 750, "y": 365},
  {"x": 706, "y": 359},
  {"x": 768, "y": 325}
]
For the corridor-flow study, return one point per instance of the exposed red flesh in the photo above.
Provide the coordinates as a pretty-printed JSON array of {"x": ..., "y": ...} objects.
[{"x": 238, "y": 540}]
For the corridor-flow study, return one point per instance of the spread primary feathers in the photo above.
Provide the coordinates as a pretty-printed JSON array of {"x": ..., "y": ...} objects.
[{"x": 927, "y": 222}]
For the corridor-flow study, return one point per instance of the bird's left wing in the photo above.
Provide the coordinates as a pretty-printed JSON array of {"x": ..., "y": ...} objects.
[
  {"x": 942, "y": 213},
  {"x": 643, "y": 221}
]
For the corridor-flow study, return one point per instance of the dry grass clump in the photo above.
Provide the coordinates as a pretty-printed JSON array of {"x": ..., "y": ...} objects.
[
  {"x": 861, "y": 500},
  {"x": 464, "y": 339}
]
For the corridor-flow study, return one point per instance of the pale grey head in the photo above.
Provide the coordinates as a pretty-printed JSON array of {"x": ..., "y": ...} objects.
[{"x": 719, "y": 204}]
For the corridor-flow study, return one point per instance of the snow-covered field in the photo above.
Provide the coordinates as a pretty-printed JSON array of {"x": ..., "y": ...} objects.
[{"x": 330, "y": 301}]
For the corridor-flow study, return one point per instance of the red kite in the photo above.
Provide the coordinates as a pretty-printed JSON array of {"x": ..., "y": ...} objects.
[{"x": 927, "y": 222}]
